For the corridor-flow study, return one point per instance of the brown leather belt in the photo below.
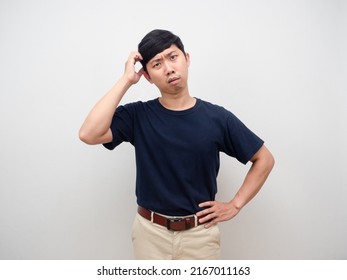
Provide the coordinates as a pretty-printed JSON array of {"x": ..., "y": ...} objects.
[{"x": 171, "y": 223}]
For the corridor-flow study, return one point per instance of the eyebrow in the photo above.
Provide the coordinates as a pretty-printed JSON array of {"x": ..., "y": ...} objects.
[{"x": 159, "y": 58}]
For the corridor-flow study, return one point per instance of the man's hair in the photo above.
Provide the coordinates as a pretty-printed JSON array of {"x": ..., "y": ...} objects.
[{"x": 155, "y": 42}]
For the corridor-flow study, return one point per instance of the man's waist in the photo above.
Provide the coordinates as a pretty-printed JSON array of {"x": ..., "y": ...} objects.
[{"x": 175, "y": 223}]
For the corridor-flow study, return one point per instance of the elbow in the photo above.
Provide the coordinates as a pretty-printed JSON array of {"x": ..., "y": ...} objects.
[
  {"x": 85, "y": 137},
  {"x": 92, "y": 138},
  {"x": 271, "y": 162}
]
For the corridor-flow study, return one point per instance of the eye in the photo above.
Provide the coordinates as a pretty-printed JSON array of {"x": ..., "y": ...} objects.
[
  {"x": 156, "y": 65},
  {"x": 173, "y": 57}
]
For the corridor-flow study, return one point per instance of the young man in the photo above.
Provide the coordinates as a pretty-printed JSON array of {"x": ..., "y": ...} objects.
[{"x": 177, "y": 140}]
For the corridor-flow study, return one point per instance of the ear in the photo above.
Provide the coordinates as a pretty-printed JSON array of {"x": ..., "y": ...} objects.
[
  {"x": 148, "y": 78},
  {"x": 188, "y": 59}
]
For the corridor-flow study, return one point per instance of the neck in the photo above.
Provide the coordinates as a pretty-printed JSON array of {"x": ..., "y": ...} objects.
[{"x": 177, "y": 102}]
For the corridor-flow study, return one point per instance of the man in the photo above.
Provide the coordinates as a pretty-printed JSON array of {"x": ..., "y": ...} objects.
[{"x": 177, "y": 140}]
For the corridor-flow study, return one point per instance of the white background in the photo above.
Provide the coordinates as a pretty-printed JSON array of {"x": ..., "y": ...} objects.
[{"x": 280, "y": 66}]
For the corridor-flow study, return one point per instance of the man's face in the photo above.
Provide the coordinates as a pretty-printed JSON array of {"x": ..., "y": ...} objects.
[{"x": 168, "y": 70}]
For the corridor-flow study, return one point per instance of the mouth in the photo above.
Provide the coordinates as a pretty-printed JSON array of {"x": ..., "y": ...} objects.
[{"x": 173, "y": 80}]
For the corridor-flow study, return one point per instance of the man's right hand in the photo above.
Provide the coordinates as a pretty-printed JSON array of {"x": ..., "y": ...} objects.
[{"x": 130, "y": 73}]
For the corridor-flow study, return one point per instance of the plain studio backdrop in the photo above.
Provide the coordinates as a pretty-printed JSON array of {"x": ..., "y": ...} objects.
[{"x": 280, "y": 66}]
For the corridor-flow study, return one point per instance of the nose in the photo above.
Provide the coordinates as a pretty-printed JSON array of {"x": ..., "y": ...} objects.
[{"x": 168, "y": 68}]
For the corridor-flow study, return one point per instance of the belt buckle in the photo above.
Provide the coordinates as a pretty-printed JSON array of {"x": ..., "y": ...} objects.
[{"x": 170, "y": 222}]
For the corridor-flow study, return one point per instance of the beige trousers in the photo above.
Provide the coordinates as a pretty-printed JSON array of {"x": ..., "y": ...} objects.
[{"x": 155, "y": 242}]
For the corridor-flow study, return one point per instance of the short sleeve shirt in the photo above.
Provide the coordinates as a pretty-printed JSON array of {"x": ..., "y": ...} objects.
[{"x": 177, "y": 152}]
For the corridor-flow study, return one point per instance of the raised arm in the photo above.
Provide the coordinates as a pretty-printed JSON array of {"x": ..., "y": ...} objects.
[{"x": 96, "y": 127}]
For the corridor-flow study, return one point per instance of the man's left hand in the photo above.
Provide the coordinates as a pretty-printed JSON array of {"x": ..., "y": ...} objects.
[{"x": 216, "y": 212}]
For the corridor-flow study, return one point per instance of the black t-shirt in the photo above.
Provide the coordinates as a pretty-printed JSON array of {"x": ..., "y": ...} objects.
[{"x": 177, "y": 152}]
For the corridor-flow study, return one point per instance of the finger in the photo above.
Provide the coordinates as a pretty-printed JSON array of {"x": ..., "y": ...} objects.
[
  {"x": 210, "y": 224},
  {"x": 140, "y": 72},
  {"x": 208, "y": 215},
  {"x": 204, "y": 212},
  {"x": 206, "y": 219},
  {"x": 134, "y": 57},
  {"x": 137, "y": 57},
  {"x": 206, "y": 204}
]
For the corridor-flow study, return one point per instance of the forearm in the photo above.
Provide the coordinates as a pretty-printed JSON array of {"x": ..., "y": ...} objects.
[{"x": 100, "y": 117}]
